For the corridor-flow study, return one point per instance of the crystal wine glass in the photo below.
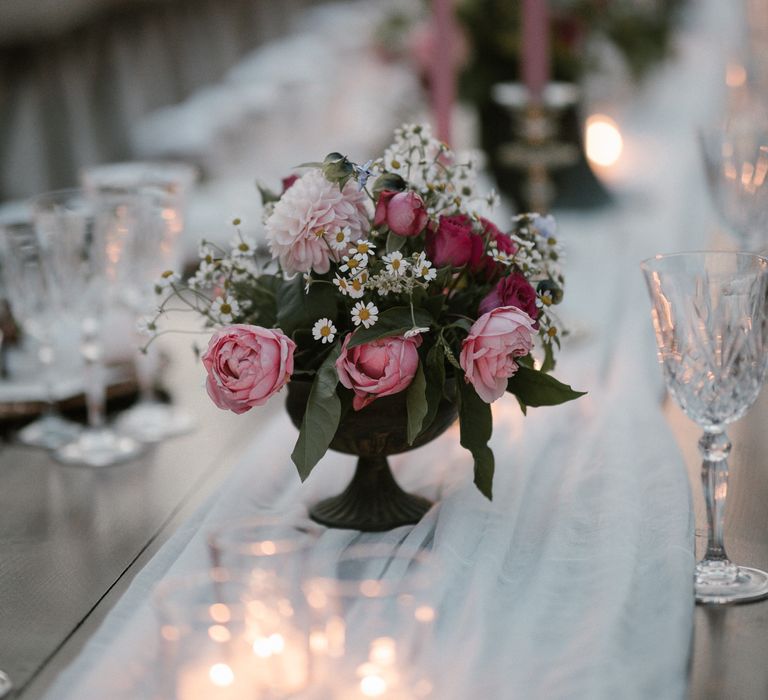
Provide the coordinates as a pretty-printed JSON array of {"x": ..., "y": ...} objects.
[
  {"x": 148, "y": 198},
  {"x": 709, "y": 315},
  {"x": 80, "y": 247},
  {"x": 37, "y": 312},
  {"x": 736, "y": 165}
]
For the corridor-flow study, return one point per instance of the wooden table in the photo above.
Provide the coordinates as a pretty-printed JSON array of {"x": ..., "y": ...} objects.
[{"x": 72, "y": 539}]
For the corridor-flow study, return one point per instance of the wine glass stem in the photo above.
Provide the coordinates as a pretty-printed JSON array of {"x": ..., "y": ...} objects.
[
  {"x": 95, "y": 384},
  {"x": 715, "y": 447},
  {"x": 146, "y": 364},
  {"x": 46, "y": 356}
]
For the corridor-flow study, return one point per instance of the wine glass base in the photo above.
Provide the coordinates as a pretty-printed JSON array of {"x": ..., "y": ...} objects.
[
  {"x": 5, "y": 684},
  {"x": 749, "y": 584},
  {"x": 151, "y": 421},
  {"x": 49, "y": 432},
  {"x": 99, "y": 448}
]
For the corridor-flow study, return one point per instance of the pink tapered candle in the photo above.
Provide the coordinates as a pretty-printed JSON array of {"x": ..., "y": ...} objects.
[
  {"x": 443, "y": 68},
  {"x": 535, "y": 40}
]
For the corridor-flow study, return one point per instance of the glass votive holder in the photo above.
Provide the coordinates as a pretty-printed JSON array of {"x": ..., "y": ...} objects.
[
  {"x": 262, "y": 546},
  {"x": 372, "y": 623},
  {"x": 221, "y": 638}
]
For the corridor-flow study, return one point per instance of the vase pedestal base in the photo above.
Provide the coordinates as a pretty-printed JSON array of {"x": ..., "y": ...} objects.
[{"x": 372, "y": 502}]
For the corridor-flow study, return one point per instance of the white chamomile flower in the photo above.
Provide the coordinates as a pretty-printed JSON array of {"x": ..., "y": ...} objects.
[
  {"x": 324, "y": 330},
  {"x": 356, "y": 286},
  {"x": 225, "y": 309},
  {"x": 500, "y": 256},
  {"x": 354, "y": 263},
  {"x": 423, "y": 268},
  {"x": 362, "y": 246},
  {"x": 367, "y": 314},
  {"x": 235, "y": 221},
  {"x": 242, "y": 246},
  {"x": 396, "y": 265},
  {"x": 165, "y": 280},
  {"x": 206, "y": 252},
  {"x": 339, "y": 240},
  {"x": 341, "y": 284},
  {"x": 414, "y": 332}
]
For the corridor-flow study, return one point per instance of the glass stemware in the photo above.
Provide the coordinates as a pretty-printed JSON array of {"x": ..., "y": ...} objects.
[
  {"x": 5, "y": 684},
  {"x": 736, "y": 165},
  {"x": 709, "y": 315},
  {"x": 80, "y": 247},
  {"x": 148, "y": 198},
  {"x": 36, "y": 311}
]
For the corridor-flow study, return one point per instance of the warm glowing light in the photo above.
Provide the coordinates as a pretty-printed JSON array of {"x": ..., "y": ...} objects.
[
  {"x": 262, "y": 647},
  {"x": 169, "y": 633},
  {"x": 373, "y": 686},
  {"x": 735, "y": 75},
  {"x": 277, "y": 643},
  {"x": 603, "y": 142},
  {"x": 383, "y": 651},
  {"x": 268, "y": 548},
  {"x": 220, "y": 612},
  {"x": 221, "y": 675},
  {"x": 424, "y": 613},
  {"x": 219, "y": 633},
  {"x": 370, "y": 588}
]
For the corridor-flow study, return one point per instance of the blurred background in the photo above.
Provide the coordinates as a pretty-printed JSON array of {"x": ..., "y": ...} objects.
[{"x": 570, "y": 105}]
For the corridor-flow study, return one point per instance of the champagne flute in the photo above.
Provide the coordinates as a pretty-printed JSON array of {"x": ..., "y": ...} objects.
[
  {"x": 80, "y": 248},
  {"x": 709, "y": 315},
  {"x": 148, "y": 198},
  {"x": 37, "y": 312}
]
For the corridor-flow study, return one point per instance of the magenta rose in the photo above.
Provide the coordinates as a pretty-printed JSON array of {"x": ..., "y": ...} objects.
[
  {"x": 488, "y": 353},
  {"x": 379, "y": 368},
  {"x": 246, "y": 365},
  {"x": 512, "y": 290},
  {"x": 287, "y": 182},
  {"x": 403, "y": 212},
  {"x": 454, "y": 243}
]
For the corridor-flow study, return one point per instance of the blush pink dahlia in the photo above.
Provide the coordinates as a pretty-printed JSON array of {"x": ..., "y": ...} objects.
[{"x": 306, "y": 217}]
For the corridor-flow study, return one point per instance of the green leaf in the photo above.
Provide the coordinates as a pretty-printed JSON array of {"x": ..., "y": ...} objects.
[
  {"x": 311, "y": 164},
  {"x": 476, "y": 425},
  {"x": 416, "y": 402},
  {"x": 297, "y": 309},
  {"x": 449, "y": 354},
  {"x": 389, "y": 181},
  {"x": 549, "y": 358},
  {"x": 267, "y": 195},
  {"x": 538, "y": 389},
  {"x": 394, "y": 321},
  {"x": 321, "y": 418},
  {"x": 395, "y": 242},
  {"x": 435, "y": 376}
]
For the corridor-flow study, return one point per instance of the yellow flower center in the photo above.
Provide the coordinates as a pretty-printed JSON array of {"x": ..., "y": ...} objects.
[
  {"x": 353, "y": 263},
  {"x": 364, "y": 314},
  {"x": 226, "y": 309},
  {"x": 356, "y": 285},
  {"x": 395, "y": 264},
  {"x": 325, "y": 331},
  {"x": 552, "y": 332},
  {"x": 320, "y": 232},
  {"x": 340, "y": 236},
  {"x": 362, "y": 247}
]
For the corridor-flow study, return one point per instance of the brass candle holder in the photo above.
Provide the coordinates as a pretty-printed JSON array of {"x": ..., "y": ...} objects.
[{"x": 536, "y": 148}]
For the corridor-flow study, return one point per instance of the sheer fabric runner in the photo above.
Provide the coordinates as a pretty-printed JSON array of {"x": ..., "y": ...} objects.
[{"x": 576, "y": 581}]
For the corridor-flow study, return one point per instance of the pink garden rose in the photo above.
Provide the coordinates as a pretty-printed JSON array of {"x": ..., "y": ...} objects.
[
  {"x": 512, "y": 290},
  {"x": 403, "y": 212},
  {"x": 379, "y": 368},
  {"x": 488, "y": 353},
  {"x": 454, "y": 243},
  {"x": 246, "y": 365}
]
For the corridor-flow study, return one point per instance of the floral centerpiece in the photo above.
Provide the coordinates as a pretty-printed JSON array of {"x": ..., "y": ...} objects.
[{"x": 384, "y": 280}]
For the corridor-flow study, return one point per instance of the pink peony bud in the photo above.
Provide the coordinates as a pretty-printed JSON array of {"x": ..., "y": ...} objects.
[
  {"x": 403, "y": 212},
  {"x": 246, "y": 365},
  {"x": 380, "y": 368},
  {"x": 488, "y": 352}
]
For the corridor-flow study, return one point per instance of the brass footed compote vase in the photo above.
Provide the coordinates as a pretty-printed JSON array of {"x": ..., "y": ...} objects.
[{"x": 709, "y": 314}]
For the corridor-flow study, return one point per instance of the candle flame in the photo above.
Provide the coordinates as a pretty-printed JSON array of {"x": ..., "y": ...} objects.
[
  {"x": 735, "y": 75},
  {"x": 221, "y": 675},
  {"x": 373, "y": 686},
  {"x": 603, "y": 141}
]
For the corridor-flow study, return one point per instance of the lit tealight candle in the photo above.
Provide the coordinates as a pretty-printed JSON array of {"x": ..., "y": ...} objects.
[{"x": 603, "y": 141}]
